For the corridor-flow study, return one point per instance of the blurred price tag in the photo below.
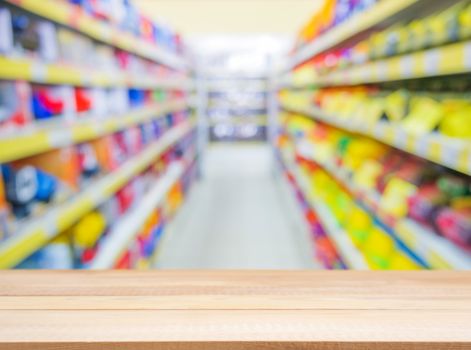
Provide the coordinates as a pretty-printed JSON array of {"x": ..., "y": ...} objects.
[
  {"x": 364, "y": 73},
  {"x": 432, "y": 61},
  {"x": 464, "y": 160},
  {"x": 38, "y": 72},
  {"x": 437, "y": 262},
  {"x": 400, "y": 138},
  {"x": 379, "y": 131},
  {"x": 61, "y": 138},
  {"x": 467, "y": 56},
  {"x": 382, "y": 70},
  {"x": 422, "y": 147},
  {"x": 407, "y": 66},
  {"x": 450, "y": 154},
  {"x": 435, "y": 150},
  {"x": 88, "y": 78},
  {"x": 110, "y": 125},
  {"x": 407, "y": 235},
  {"x": 99, "y": 128},
  {"x": 410, "y": 143},
  {"x": 49, "y": 225},
  {"x": 389, "y": 134}
]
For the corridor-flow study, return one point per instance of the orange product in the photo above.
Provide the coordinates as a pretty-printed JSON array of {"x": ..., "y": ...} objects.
[
  {"x": 62, "y": 163},
  {"x": 102, "y": 148}
]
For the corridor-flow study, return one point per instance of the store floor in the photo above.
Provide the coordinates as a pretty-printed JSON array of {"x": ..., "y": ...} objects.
[{"x": 239, "y": 215}]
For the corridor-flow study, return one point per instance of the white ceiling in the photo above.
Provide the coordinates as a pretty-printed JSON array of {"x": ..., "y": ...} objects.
[{"x": 232, "y": 16}]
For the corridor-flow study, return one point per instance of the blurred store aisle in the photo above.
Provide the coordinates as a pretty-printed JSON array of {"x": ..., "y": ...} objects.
[{"x": 237, "y": 216}]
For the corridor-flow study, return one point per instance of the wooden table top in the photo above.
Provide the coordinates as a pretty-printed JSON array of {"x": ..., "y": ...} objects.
[{"x": 223, "y": 309}]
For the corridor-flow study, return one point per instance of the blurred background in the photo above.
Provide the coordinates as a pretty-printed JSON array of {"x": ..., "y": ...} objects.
[{"x": 282, "y": 134}]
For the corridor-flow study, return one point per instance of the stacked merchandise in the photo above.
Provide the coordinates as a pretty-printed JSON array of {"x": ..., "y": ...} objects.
[
  {"x": 237, "y": 110},
  {"x": 439, "y": 29},
  {"x": 386, "y": 145},
  {"x": 89, "y": 125},
  {"x": 332, "y": 13}
]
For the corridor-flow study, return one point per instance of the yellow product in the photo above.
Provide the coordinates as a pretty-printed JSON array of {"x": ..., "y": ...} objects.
[
  {"x": 373, "y": 111},
  {"x": 367, "y": 174},
  {"x": 399, "y": 261},
  {"x": 324, "y": 151},
  {"x": 396, "y": 105},
  {"x": 437, "y": 33},
  {"x": 378, "y": 248},
  {"x": 464, "y": 21},
  {"x": 445, "y": 26},
  {"x": 304, "y": 75},
  {"x": 143, "y": 264},
  {"x": 352, "y": 100},
  {"x": 342, "y": 207},
  {"x": 425, "y": 115},
  {"x": 395, "y": 196},
  {"x": 358, "y": 225},
  {"x": 377, "y": 43},
  {"x": 301, "y": 123},
  {"x": 320, "y": 179},
  {"x": 360, "y": 149},
  {"x": 408, "y": 36},
  {"x": 457, "y": 123},
  {"x": 89, "y": 229}
]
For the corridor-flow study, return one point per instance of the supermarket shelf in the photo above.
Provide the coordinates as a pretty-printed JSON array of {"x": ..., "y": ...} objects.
[
  {"x": 260, "y": 120},
  {"x": 436, "y": 251},
  {"x": 34, "y": 234},
  {"x": 222, "y": 102},
  {"x": 381, "y": 15},
  {"x": 446, "y": 151},
  {"x": 126, "y": 229},
  {"x": 16, "y": 68},
  {"x": 68, "y": 15},
  {"x": 445, "y": 60},
  {"x": 353, "y": 258},
  {"x": 60, "y": 133},
  {"x": 237, "y": 86}
]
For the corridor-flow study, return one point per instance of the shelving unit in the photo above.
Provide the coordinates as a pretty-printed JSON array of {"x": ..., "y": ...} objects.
[
  {"x": 126, "y": 229},
  {"x": 61, "y": 133},
  {"x": 228, "y": 115},
  {"x": 142, "y": 69},
  {"x": 449, "y": 152},
  {"x": 342, "y": 242},
  {"x": 67, "y": 15},
  {"x": 381, "y": 15},
  {"x": 260, "y": 120},
  {"x": 438, "y": 252},
  {"x": 422, "y": 59},
  {"x": 55, "y": 73},
  {"x": 38, "y": 232},
  {"x": 441, "y": 61}
]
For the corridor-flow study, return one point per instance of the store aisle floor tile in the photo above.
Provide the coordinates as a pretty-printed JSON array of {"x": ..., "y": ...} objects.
[{"x": 235, "y": 217}]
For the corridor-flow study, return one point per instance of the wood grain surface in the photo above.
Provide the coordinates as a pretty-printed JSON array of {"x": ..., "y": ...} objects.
[{"x": 235, "y": 310}]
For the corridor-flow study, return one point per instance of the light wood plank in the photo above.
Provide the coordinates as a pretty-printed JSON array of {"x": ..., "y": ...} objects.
[
  {"x": 235, "y": 325},
  {"x": 256, "y": 301},
  {"x": 235, "y": 310}
]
